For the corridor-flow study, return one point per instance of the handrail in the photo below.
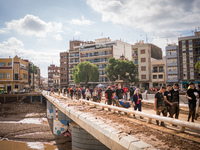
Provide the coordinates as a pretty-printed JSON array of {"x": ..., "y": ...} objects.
[{"x": 182, "y": 124}]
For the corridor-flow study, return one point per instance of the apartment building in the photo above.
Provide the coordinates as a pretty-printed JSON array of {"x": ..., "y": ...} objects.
[
  {"x": 172, "y": 63},
  {"x": 189, "y": 53},
  {"x": 56, "y": 80},
  {"x": 64, "y": 70},
  {"x": 13, "y": 73},
  {"x": 52, "y": 69},
  {"x": 158, "y": 72},
  {"x": 141, "y": 56},
  {"x": 98, "y": 53}
]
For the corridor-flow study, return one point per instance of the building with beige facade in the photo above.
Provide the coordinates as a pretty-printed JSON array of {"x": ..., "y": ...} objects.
[
  {"x": 98, "y": 53},
  {"x": 158, "y": 72},
  {"x": 13, "y": 73},
  {"x": 141, "y": 56}
]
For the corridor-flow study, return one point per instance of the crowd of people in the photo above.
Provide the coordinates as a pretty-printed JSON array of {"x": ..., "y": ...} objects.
[{"x": 167, "y": 98}]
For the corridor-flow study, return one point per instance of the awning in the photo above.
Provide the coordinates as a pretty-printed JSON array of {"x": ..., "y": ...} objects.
[{"x": 1, "y": 86}]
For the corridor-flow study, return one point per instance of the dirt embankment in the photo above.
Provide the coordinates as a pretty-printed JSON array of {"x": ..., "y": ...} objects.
[{"x": 28, "y": 122}]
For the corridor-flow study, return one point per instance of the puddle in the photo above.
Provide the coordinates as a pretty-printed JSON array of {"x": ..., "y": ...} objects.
[{"x": 15, "y": 145}]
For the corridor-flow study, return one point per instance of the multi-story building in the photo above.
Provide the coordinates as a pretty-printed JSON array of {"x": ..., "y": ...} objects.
[
  {"x": 98, "y": 53},
  {"x": 13, "y": 73},
  {"x": 158, "y": 72},
  {"x": 141, "y": 56},
  {"x": 189, "y": 53},
  {"x": 56, "y": 80},
  {"x": 52, "y": 69},
  {"x": 64, "y": 70},
  {"x": 172, "y": 63}
]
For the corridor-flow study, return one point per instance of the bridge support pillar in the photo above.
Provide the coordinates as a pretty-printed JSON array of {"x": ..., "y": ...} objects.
[
  {"x": 49, "y": 110},
  {"x": 81, "y": 139},
  {"x": 60, "y": 122}
]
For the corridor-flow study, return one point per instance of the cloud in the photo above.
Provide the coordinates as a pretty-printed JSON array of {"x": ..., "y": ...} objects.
[
  {"x": 77, "y": 33},
  {"x": 158, "y": 18},
  {"x": 58, "y": 37},
  {"x": 41, "y": 58},
  {"x": 33, "y": 26},
  {"x": 81, "y": 22}
]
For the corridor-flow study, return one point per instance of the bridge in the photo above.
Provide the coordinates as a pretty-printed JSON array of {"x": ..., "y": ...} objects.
[{"x": 89, "y": 131}]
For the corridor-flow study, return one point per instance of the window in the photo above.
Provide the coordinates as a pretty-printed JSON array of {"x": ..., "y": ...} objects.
[
  {"x": 161, "y": 69},
  {"x": 155, "y": 69},
  {"x": 160, "y": 76},
  {"x": 16, "y": 76},
  {"x": 61, "y": 80},
  {"x": 8, "y": 76},
  {"x": 2, "y": 75},
  {"x": 143, "y": 68},
  {"x": 142, "y": 51},
  {"x": 154, "y": 76},
  {"x": 65, "y": 80},
  {"x": 190, "y": 42},
  {"x": 2, "y": 64},
  {"x": 25, "y": 76},
  {"x": 183, "y": 43},
  {"x": 16, "y": 86},
  {"x": 143, "y": 76},
  {"x": 9, "y": 63},
  {"x": 136, "y": 61},
  {"x": 61, "y": 75},
  {"x": 143, "y": 59}
]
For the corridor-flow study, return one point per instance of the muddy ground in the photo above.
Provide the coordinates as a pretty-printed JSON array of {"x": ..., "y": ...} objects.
[
  {"x": 29, "y": 132},
  {"x": 160, "y": 137}
]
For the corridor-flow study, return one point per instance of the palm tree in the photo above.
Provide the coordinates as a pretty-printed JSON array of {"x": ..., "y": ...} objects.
[{"x": 33, "y": 69}]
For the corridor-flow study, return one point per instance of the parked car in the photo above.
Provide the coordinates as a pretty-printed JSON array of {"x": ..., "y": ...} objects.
[{"x": 2, "y": 91}]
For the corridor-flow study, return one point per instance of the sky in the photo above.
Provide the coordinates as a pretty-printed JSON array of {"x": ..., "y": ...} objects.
[{"x": 38, "y": 30}]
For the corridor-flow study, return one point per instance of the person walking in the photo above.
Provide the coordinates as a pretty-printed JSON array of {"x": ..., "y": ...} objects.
[
  {"x": 71, "y": 93},
  {"x": 137, "y": 98},
  {"x": 175, "y": 101},
  {"x": 119, "y": 92},
  {"x": 91, "y": 91},
  {"x": 87, "y": 94},
  {"x": 94, "y": 95},
  {"x": 192, "y": 94},
  {"x": 99, "y": 93},
  {"x": 109, "y": 95},
  {"x": 83, "y": 92},
  {"x": 159, "y": 104},
  {"x": 168, "y": 96}
]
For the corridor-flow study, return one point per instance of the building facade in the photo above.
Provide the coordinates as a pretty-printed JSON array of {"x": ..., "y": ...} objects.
[
  {"x": 56, "y": 80},
  {"x": 141, "y": 56},
  {"x": 158, "y": 72},
  {"x": 172, "y": 63},
  {"x": 98, "y": 53},
  {"x": 52, "y": 69},
  {"x": 189, "y": 53},
  {"x": 13, "y": 73},
  {"x": 64, "y": 70}
]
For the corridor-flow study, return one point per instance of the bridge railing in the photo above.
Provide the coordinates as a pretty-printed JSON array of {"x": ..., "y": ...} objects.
[{"x": 181, "y": 124}]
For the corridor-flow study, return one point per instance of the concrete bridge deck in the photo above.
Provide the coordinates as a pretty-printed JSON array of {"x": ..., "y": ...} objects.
[{"x": 112, "y": 137}]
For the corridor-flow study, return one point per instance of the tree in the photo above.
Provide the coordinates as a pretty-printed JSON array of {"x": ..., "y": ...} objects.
[
  {"x": 85, "y": 72},
  {"x": 33, "y": 69},
  {"x": 125, "y": 68}
]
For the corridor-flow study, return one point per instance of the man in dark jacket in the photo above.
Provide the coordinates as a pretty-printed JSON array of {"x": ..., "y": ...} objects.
[
  {"x": 175, "y": 101},
  {"x": 192, "y": 94}
]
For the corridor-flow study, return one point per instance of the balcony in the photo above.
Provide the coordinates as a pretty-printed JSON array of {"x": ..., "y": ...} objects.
[
  {"x": 96, "y": 56},
  {"x": 135, "y": 55},
  {"x": 94, "y": 50},
  {"x": 158, "y": 71},
  {"x": 74, "y": 62}
]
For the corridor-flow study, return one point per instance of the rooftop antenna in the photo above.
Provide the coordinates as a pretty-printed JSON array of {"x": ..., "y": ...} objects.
[{"x": 192, "y": 32}]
